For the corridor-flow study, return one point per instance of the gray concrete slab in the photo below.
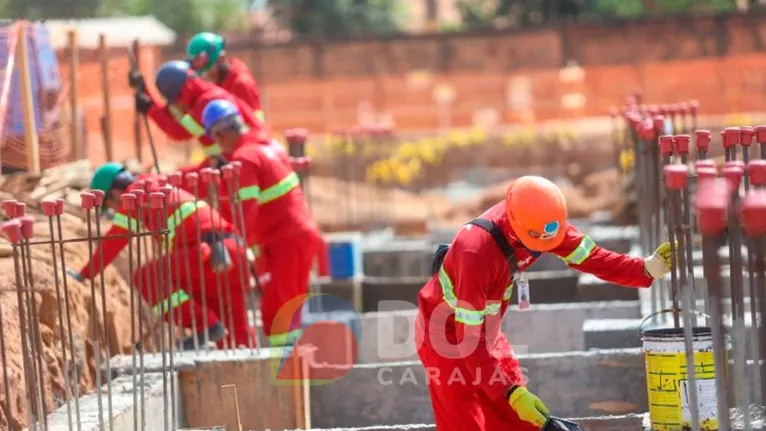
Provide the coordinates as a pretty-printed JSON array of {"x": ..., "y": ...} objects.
[
  {"x": 123, "y": 408},
  {"x": 155, "y": 363},
  {"x": 606, "y": 382}
]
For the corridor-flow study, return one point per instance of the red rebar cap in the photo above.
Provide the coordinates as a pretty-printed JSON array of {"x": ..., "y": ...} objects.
[
  {"x": 296, "y": 136},
  {"x": 9, "y": 208},
  {"x": 681, "y": 143},
  {"x": 646, "y": 130},
  {"x": 754, "y": 212},
  {"x": 666, "y": 145},
  {"x": 161, "y": 180},
  {"x": 633, "y": 119},
  {"x": 128, "y": 201},
  {"x": 87, "y": 200},
  {"x": 21, "y": 209},
  {"x": 712, "y": 202},
  {"x": 60, "y": 206},
  {"x": 215, "y": 176},
  {"x": 675, "y": 176},
  {"x": 756, "y": 170},
  {"x": 49, "y": 207},
  {"x": 738, "y": 163},
  {"x": 653, "y": 110},
  {"x": 227, "y": 171},
  {"x": 140, "y": 196},
  {"x": 176, "y": 179},
  {"x": 760, "y": 133},
  {"x": 706, "y": 173},
  {"x": 205, "y": 175},
  {"x": 746, "y": 136},
  {"x": 156, "y": 200},
  {"x": 673, "y": 109},
  {"x": 707, "y": 163},
  {"x": 166, "y": 190},
  {"x": 12, "y": 231},
  {"x": 733, "y": 175},
  {"x": 192, "y": 179},
  {"x": 28, "y": 227},
  {"x": 665, "y": 110},
  {"x": 237, "y": 167},
  {"x": 702, "y": 140},
  {"x": 683, "y": 108},
  {"x": 99, "y": 197},
  {"x": 140, "y": 184},
  {"x": 694, "y": 107},
  {"x": 659, "y": 123},
  {"x": 300, "y": 164},
  {"x": 730, "y": 136}
]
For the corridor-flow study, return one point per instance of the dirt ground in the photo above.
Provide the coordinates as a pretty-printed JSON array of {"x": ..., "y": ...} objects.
[{"x": 48, "y": 305}]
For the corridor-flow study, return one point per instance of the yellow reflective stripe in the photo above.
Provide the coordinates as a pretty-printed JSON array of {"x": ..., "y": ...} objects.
[
  {"x": 212, "y": 150},
  {"x": 508, "y": 292},
  {"x": 280, "y": 189},
  {"x": 176, "y": 299},
  {"x": 181, "y": 213},
  {"x": 287, "y": 338},
  {"x": 248, "y": 193},
  {"x": 259, "y": 114},
  {"x": 125, "y": 222},
  {"x": 462, "y": 315},
  {"x": 253, "y": 252},
  {"x": 187, "y": 121},
  {"x": 582, "y": 252}
]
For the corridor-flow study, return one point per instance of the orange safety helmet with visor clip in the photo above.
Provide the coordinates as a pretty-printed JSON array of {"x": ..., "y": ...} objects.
[{"x": 537, "y": 212}]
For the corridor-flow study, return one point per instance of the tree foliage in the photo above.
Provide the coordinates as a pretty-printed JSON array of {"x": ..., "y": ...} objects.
[{"x": 338, "y": 18}]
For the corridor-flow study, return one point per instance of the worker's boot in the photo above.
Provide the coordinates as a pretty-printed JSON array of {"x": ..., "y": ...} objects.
[{"x": 214, "y": 334}]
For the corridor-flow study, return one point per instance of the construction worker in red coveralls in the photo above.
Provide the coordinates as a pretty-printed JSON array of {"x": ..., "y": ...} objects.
[
  {"x": 280, "y": 229},
  {"x": 475, "y": 381},
  {"x": 187, "y": 95},
  {"x": 206, "y": 53},
  {"x": 184, "y": 214}
]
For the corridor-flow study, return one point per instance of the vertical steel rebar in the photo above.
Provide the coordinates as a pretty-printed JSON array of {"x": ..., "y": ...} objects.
[
  {"x": 682, "y": 147},
  {"x": 667, "y": 149},
  {"x": 754, "y": 221},
  {"x": 3, "y": 352},
  {"x": 166, "y": 263},
  {"x": 192, "y": 183},
  {"x": 140, "y": 241}
]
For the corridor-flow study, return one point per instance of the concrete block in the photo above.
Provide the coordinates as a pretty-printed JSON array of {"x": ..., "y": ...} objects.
[
  {"x": 591, "y": 288},
  {"x": 349, "y": 291},
  {"x": 612, "y": 333},
  {"x": 605, "y": 382},
  {"x": 391, "y": 289},
  {"x": 124, "y": 410},
  {"x": 399, "y": 259}
]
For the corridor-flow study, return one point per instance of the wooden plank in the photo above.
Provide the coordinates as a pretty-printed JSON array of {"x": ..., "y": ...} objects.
[{"x": 27, "y": 103}]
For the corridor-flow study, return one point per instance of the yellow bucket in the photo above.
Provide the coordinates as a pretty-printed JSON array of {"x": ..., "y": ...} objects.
[{"x": 666, "y": 384}]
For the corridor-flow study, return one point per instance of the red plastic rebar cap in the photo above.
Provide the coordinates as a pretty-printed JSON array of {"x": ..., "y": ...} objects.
[
  {"x": 205, "y": 175},
  {"x": 175, "y": 179},
  {"x": 633, "y": 119},
  {"x": 12, "y": 231},
  {"x": 128, "y": 201},
  {"x": 756, "y": 171},
  {"x": 659, "y": 123},
  {"x": 665, "y": 110},
  {"x": 237, "y": 166},
  {"x": 60, "y": 206},
  {"x": 738, "y": 163},
  {"x": 675, "y": 176},
  {"x": 706, "y": 163},
  {"x": 296, "y": 136},
  {"x": 694, "y": 107},
  {"x": 702, "y": 140},
  {"x": 646, "y": 130},
  {"x": 87, "y": 200},
  {"x": 730, "y": 136},
  {"x": 653, "y": 110},
  {"x": 760, "y": 134},
  {"x": 140, "y": 196},
  {"x": 28, "y": 226},
  {"x": 673, "y": 109},
  {"x": 166, "y": 190},
  {"x": 683, "y": 108},
  {"x": 706, "y": 172},
  {"x": 99, "y": 195},
  {"x": 156, "y": 200},
  {"x": 140, "y": 184},
  {"x": 666, "y": 145},
  {"x": 712, "y": 201},
  {"x": 21, "y": 209},
  {"x": 746, "y": 136},
  {"x": 161, "y": 180},
  {"x": 215, "y": 176},
  {"x": 227, "y": 171},
  {"x": 192, "y": 179},
  {"x": 733, "y": 175},
  {"x": 9, "y": 208},
  {"x": 49, "y": 207},
  {"x": 754, "y": 212},
  {"x": 681, "y": 143}
]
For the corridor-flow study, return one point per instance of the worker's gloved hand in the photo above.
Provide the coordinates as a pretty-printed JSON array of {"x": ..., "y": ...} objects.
[
  {"x": 136, "y": 80},
  {"x": 659, "y": 264},
  {"x": 76, "y": 275},
  {"x": 528, "y": 406},
  {"x": 143, "y": 103}
]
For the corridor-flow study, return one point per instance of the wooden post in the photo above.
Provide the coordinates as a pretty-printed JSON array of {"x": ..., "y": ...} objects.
[
  {"x": 78, "y": 147},
  {"x": 137, "y": 117},
  {"x": 27, "y": 103},
  {"x": 107, "y": 117}
]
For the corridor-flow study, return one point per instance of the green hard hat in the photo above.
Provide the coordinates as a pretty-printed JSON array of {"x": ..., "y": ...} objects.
[
  {"x": 207, "y": 43},
  {"x": 105, "y": 175}
]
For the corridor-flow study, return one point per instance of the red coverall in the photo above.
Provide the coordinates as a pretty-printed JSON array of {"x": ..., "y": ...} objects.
[
  {"x": 280, "y": 230},
  {"x": 469, "y": 362},
  {"x": 240, "y": 82},
  {"x": 186, "y": 289},
  {"x": 196, "y": 94}
]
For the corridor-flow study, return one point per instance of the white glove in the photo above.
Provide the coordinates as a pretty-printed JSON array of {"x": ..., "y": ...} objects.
[{"x": 659, "y": 264}]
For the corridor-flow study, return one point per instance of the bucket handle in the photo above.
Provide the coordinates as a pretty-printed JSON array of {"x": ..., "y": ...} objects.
[{"x": 665, "y": 311}]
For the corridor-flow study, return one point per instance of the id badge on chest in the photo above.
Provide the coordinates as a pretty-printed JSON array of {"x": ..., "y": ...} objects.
[{"x": 522, "y": 290}]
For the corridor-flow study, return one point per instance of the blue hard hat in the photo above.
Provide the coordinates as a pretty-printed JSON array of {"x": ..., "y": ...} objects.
[
  {"x": 170, "y": 79},
  {"x": 219, "y": 113}
]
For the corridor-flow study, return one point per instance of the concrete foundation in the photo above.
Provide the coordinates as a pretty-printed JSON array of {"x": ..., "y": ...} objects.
[{"x": 606, "y": 382}]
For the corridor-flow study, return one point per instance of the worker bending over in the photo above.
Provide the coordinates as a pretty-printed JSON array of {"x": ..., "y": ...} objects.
[
  {"x": 184, "y": 217},
  {"x": 180, "y": 118},
  {"x": 471, "y": 289},
  {"x": 278, "y": 225},
  {"x": 206, "y": 53}
]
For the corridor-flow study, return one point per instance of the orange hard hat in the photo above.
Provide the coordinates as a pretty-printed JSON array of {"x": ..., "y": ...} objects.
[{"x": 537, "y": 212}]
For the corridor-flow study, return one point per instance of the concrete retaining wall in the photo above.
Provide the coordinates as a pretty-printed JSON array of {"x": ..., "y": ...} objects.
[{"x": 571, "y": 384}]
